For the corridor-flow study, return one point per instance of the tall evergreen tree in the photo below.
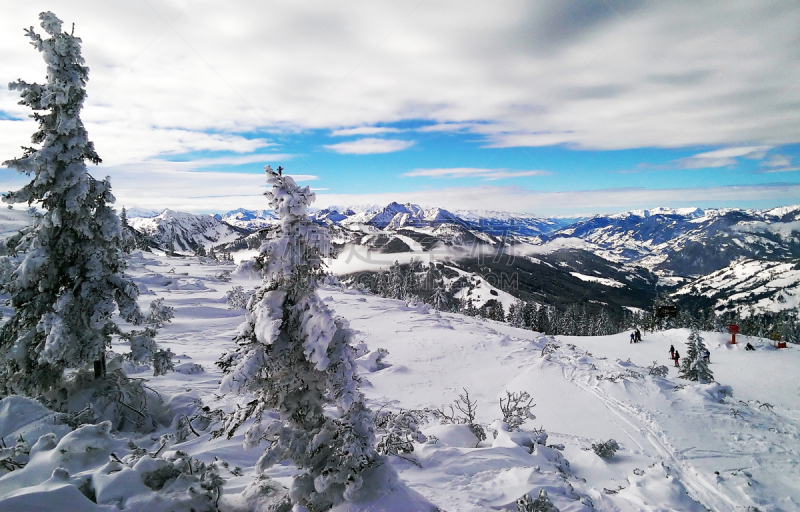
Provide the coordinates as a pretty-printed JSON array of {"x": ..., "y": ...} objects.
[
  {"x": 296, "y": 358},
  {"x": 68, "y": 281},
  {"x": 695, "y": 366}
]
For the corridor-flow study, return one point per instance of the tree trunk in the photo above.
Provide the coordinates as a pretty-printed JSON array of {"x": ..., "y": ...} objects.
[{"x": 100, "y": 367}]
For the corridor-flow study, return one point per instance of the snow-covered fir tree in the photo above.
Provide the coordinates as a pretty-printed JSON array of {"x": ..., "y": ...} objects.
[
  {"x": 695, "y": 365},
  {"x": 439, "y": 296},
  {"x": 68, "y": 280},
  {"x": 295, "y": 358}
]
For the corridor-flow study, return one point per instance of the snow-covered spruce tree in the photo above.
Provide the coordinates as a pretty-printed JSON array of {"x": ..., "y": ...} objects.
[
  {"x": 694, "y": 366},
  {"x": 296, "y": 358},
  {"x": 68, "y": 281}
]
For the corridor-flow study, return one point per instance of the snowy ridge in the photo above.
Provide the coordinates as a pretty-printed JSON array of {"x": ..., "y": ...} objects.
[
  {"x": 186, "y": 231},
  {"x": 763, "y": 285},
  {"x": 689, "y": 241}
]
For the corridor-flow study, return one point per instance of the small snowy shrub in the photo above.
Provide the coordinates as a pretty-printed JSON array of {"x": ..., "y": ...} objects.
[
  {"x": 397, "y": 432},
  {"x": 198, "y": 421},
  {"x": 605, "y": 450},
  {"x": 658, "y": 370},
  {"x": 224, "y": 276},
  {"x": 14, "y": 457},
  {"x": 551, "y": 346},
  {"x": 237, "y": 299},
  {"x": 160, "y": 314},
  {"x": 541, "y": 504},
  {"x": 463, "y": 410},
  {"x": 128, "y": 404},
  {"x": 85, "y": 416},
  {"x": 143, "y": 347},
  {"x": 162, "y": 362},
  {"x": 516, "y": 409}
]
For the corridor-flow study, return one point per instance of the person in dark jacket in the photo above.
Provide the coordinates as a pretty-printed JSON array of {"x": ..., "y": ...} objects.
[
  {"x": 671, "y": 352},
  {"x": 676, "y": 357},
  {"x": 638, "y": 336},
  {"x": 633, "y": 337}
]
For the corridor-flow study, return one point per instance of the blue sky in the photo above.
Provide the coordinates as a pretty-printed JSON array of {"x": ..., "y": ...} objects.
[{"x": 552, "y": 108}]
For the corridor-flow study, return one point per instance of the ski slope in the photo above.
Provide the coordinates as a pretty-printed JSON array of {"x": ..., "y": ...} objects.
[{"x": 684, "y": 446}]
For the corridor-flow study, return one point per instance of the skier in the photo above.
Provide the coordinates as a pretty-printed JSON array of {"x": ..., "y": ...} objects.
[
  {"x": 633, "y": 338},
  {"x": 638, "y": 336},
  {"x": 707, "y": 356},
  {"x": 671, "y": 352},
  {"x": 749, "y": 347},
  {"x": 676, "y": 357}
]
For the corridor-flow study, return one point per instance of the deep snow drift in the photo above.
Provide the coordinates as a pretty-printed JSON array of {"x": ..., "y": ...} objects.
[{"x": 683, "y": 446}]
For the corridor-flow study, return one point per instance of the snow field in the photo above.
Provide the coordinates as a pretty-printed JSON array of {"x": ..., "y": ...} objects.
[{"x": 674, "y": 435}]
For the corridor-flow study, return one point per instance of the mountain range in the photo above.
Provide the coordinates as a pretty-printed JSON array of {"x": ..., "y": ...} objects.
[{"x": 697, "y": 255}]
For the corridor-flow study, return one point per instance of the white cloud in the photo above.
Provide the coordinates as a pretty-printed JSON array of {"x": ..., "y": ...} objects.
[
  {"x": 155, "y": 185},
  {"x": 370, "y": 146},
  {"x": 364, "y": 130},
  {"x": 588, "y": 74},
  {"x": 719, "y": 158},
  {"x": 470, "y": 172},
  {"x": 587, "y": 202},
  {"x": 778, "y": 163}
]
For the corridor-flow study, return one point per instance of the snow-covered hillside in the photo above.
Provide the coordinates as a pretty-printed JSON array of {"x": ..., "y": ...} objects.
[
  {"x": 689, "y": 241},
  {"x": 683, "y": 445},
  {"x": 249, "y": 219},
  {"x": 186, "y": 231},
  {"x": 763, "y": 285}
]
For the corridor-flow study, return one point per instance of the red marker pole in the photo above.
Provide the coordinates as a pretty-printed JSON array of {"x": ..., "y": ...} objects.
[{"x": 733, "y": 329}]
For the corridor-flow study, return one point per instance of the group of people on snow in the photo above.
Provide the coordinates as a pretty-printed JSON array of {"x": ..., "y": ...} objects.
[
  {"x": 675, "y": 356},
  {"x": 636, "y": 336}
]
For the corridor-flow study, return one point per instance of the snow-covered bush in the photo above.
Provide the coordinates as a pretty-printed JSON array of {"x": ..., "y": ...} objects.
[
  {"x": 162, "y": 362},
  {"x": 658, "y": 370},
  {"x": 516, "y": 409},
  {"x": 463, "y": 410},
  {"x": 196, "y": 421},
  {"x": 143, "y": 346},
  {"x": 296, "y": 358},
  {"x": 695, "y": 365},
  {"x": 397, "y": 432},
  {"x": 68, "y": 280},
  {"x": 237, "y": 299},
  {"x": 542, "y": 503},
  {"x": 373, "y": 361},
  {"x": 127, "y": 403},
  {"x": 160, "y": 314},
  {"x": 606, "y": 449},
  {"x": 112, "y": 473},
  {"x": 14, "y": 457}
]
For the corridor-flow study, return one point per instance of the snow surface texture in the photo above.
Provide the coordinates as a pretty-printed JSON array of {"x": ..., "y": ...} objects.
[{"x": 674, "y": 435}]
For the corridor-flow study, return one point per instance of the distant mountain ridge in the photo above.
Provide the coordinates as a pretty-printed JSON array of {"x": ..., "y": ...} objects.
[{"x": 611, "y": 258}]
